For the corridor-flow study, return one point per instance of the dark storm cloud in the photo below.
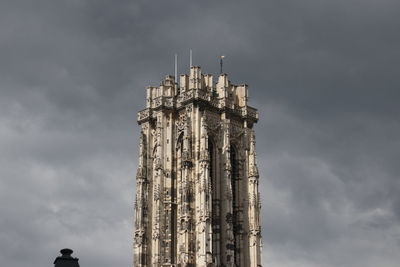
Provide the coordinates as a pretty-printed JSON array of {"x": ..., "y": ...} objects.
[{"x": 324, "y": 75}]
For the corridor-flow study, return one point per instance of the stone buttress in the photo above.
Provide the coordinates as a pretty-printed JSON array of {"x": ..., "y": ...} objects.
[{"x": 197, "y": 197}]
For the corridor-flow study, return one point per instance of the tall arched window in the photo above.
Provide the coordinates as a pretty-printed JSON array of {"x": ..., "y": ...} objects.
[
  {"x": 176, "y": 176},
  {"x": 215, "y": 187},
  {"x": 235, "y": 195}
]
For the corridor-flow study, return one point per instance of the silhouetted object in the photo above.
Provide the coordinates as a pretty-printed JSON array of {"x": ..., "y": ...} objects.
[{"x": 65, "y": 260}]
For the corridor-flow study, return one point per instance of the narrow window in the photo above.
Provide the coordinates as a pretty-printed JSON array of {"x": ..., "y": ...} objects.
[
  {"x": 215, "y": 202},
  {"x": 234, "y": 180},
  {"x": 174, "y": 199}
]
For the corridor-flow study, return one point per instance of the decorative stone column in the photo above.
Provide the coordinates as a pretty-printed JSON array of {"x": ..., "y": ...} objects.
[
  {"x": 185, "y": 220},
  {"x": 226, "y": 151},
  {"x": 140, "y": 240},
  {"x": 254, "y": 206},
  {"x": 204, "y": 202},
  {"x": 157, "y": 234}
]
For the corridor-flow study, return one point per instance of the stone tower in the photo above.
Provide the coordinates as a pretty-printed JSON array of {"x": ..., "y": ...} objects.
[{"x": 197, "y": 198}]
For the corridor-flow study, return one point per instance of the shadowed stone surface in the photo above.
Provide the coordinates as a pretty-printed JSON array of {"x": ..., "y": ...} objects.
[{"x": 66, "y": 260}]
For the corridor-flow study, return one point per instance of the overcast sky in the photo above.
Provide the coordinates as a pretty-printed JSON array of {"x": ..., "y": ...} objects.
[{"x": 323, "y": 74}]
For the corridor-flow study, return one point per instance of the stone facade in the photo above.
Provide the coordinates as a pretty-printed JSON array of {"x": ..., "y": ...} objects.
[{"x": 197, "y": 198}]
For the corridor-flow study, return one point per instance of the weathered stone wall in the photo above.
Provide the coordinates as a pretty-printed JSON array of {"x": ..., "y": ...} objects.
[{"x": 197, "y": 198}]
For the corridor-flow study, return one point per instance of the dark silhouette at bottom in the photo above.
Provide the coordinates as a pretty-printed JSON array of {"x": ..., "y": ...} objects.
[{"x": 66, "y": 260}]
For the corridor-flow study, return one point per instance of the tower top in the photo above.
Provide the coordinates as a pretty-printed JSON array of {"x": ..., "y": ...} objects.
[{"x": 200, "y": 88}]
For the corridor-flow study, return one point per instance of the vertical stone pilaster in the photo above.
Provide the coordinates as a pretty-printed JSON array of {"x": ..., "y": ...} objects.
[
  {"x": 185, "y": 218},
  {"x": 157, "y": 233},
  {"x": 254, "y": 206},
  {"x": 227, "y": 198},
  {"x": 140, "y": 238},
  {"x": 203, "y": 199},
  {"x": 169, "y": 200}
]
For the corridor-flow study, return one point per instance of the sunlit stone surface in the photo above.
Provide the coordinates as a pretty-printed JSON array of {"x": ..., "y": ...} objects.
[{"x": 197, "y": 197}]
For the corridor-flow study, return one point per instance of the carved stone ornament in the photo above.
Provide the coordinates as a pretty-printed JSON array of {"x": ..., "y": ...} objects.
[
  {"x": 204, "y": 156},
  {"x": 156, "y": 259},
  {"x": 140, "y": 238},
  {"x": 157, "y": 163},
  {"x": 184, "y": 258},
  {"x": 145, "y": 127},
  {"x": 156, "y": 233},
  {"x": 213, "y": 122},
  {"x": 186, "y": 212},
  {"x": 157, "y": 192},
  {"x": 253, "y": 200},
  {"x": 253, "y": 171},
  {"x": 189, "y": 109},
  {"x": 237, "y": 131},
  {"x": 185, "y": 225},
  {"x": 181, "y": 122}
]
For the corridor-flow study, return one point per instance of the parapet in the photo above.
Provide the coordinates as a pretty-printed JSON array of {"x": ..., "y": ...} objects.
[{"x": 200, "y": 88}]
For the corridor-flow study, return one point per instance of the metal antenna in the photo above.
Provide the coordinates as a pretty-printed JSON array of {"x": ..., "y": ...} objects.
[
  {"x": 221, "y": 62},
  {"x": 176, "y": 68},
  {"x": 191, "y": 63}
]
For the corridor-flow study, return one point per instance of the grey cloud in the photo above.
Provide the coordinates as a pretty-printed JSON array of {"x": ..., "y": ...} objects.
[{"x": 324, "y": 75}]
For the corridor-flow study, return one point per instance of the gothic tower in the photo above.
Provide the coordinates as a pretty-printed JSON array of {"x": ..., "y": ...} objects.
[{"x": 197, "y": 198}]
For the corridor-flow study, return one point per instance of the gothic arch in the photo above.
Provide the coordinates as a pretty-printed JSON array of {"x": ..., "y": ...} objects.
[
  {"x": 200, "y": 145},
  {"x": 235, "y": 185},
  {"x": 175, "y": 177},
  {"x": 215, "y": 179}
]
